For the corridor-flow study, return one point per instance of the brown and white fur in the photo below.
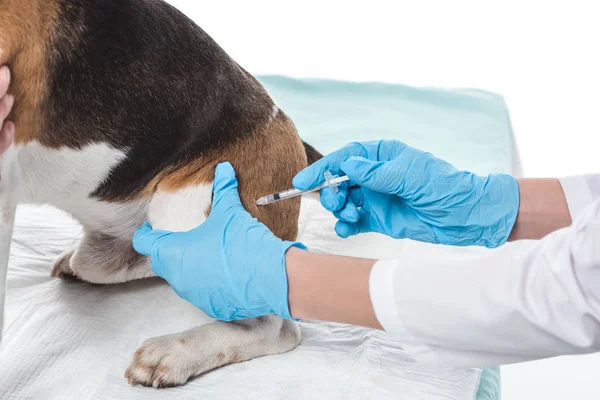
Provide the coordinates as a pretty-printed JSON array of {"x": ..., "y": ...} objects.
[{"x": 122, "y": 110}]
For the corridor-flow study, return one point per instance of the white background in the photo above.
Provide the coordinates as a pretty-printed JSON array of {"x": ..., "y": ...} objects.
[{"x": 542, "y": 56}]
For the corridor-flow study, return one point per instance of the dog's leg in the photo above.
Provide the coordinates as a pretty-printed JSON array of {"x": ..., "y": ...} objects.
[
  {"x": 171, "y": 360},
  {"x": 103, "y": 259},
  {"x": 181, "y": 202}
]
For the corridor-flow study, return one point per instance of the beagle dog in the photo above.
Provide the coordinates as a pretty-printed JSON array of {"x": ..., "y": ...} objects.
[{"x": 122, "y": 110}]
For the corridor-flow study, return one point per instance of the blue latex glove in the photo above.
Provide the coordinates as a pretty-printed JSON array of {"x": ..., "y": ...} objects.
[
  {"x": 231, "y": 267},
  {"x": 403, "y": 192}
]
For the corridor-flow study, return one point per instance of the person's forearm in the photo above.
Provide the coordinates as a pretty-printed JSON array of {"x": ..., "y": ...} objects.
[
  {"x": 336, "y": 288},
  {"x": 543, "y": 209},
  {"x": 330, "y": 288}
]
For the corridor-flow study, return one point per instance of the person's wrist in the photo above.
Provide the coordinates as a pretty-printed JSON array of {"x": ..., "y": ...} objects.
[
  {"x": 501, "y": 203},
  {"x": 543, "y": 209},
  {"x": 295, "y": 258},
  {"x": 281, "y": 306}
]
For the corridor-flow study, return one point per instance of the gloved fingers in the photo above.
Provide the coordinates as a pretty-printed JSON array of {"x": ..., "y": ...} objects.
[
  {"x": 7, "y": 134},
  {"x": 349, "y": 210},
  {"x": 145, "y": 237},
  {"x": 378, "y": 176},
  {"x": 386, "y": 150},
  {"x": 334, "y": 201},
  {"x": 313, "y": 175},
  {"x": 345, "y": 229},
  {"x": 225, "y": 187},
  {"x": 349, "y": 213},
  {"x": 356, "y": 196}
]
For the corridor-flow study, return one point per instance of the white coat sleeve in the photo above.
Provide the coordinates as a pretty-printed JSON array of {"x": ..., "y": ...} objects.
[
  {"x": 580, "y": 191},
  {"x": 458, "y": 308}
]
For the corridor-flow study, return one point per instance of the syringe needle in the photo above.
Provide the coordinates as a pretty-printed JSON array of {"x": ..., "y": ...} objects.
[{"x": 331, "y": 182}]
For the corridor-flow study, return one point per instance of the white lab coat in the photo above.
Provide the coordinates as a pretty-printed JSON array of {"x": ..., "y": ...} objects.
[{"x": 459, "y": 309}]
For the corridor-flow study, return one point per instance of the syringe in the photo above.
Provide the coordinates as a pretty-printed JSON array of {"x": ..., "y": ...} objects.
[{"x": 331, "y": 181}]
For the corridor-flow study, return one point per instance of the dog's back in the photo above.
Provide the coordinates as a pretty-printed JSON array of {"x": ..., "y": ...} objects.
[{"x": 122, "y": 110}]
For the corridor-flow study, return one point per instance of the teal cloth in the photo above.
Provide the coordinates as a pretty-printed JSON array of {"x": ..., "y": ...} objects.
[
  {"x": 469, "y": 128},
  {"x": 489, "y": 384}
]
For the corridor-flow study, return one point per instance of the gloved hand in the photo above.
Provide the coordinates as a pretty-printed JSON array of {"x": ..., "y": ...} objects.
[
  {"x": 403, "y": 192},
  {"x": 7, "y": 128},
  {"x": 231, "y": 267}
]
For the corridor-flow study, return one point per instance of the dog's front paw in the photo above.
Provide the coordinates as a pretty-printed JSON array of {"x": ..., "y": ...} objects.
[
  {"x": 173, "y": 359},
  {"x": 62, "y": 267},
  {"x": 162, "y": 362}
]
